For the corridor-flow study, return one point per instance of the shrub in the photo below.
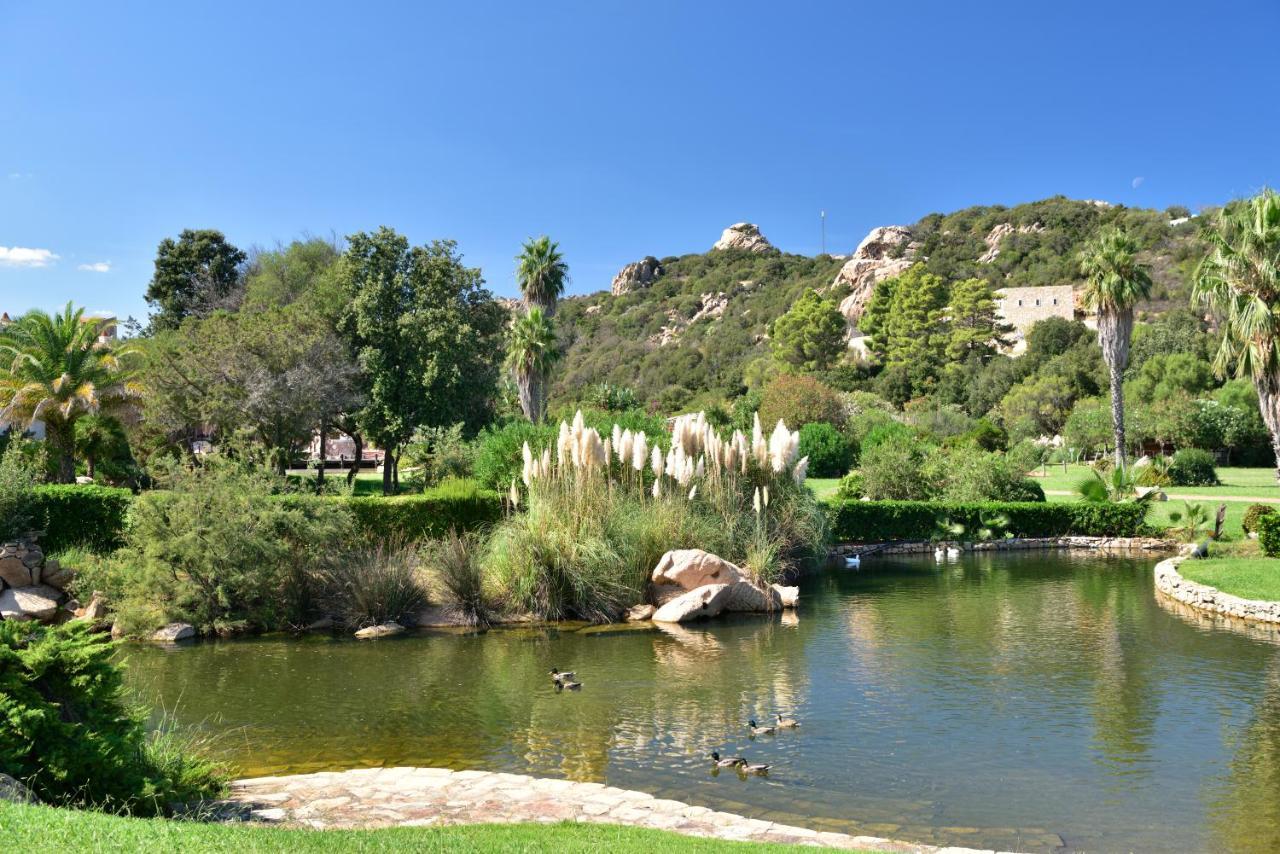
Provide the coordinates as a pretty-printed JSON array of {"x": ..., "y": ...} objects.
[
  {"x": 799, "y": 400},
  {"x": 1269, "y": 534},
  {"x": 1193, "y": 467},
  {"x": 222, "y": 552},
  {"x": 612, "y": 398},
  {"x": 829, "y": 452},
  {"x": 1252, "y": 520},
  {"x": 497, "y": 455},
  {"x": 437, "y": 453},
  {"x": 89, "y": 516},
  {"x": 851, "y": 487},
  {"x": 893, "y": 469},
  {"x": 453, "y": 505},
  {"x": 883, "y": 521},
  {"x": 18, "y": 477},
  {"x": 967, "y": 473},
  {"x": 365, "y": 586},
  {"x": 67, "y": 732}
]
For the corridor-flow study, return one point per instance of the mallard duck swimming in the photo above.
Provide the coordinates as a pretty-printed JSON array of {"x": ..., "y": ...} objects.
[
  {"x": 752, "y": 767},
  {"x": 723, "y": 763},
  {"x": 569, "y": 684},
  {"x": 561, "y": 675},
  {"x": 787, "y": 723},
  {"x": 756, "y": 729}
]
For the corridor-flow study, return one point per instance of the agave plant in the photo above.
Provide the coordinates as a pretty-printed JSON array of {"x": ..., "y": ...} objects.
[
  {"x": 1191, "y": 522},
  {"x": 990, "y": 526},
  {"x": 1116, "y": 486}
]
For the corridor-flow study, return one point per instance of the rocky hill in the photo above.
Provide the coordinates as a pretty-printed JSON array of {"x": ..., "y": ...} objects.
[{"x": 681, "y": 330}]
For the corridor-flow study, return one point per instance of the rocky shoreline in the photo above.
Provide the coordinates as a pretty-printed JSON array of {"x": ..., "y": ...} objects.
[
  {"x": 1105, "y": 544},
  {"x": 422, "y": 797}
]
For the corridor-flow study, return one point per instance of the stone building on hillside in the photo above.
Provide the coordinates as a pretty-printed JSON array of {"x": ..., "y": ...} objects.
[{"x": 1023, "y": 307}]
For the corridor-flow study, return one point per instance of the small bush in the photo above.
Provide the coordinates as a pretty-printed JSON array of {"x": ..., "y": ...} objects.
[
  {"x": 893, "y": 469},
  {"x": 18, "y": 477},
  {"x": 829, "y": 452},
  {"x": 1269, "y": 534},
  {"x": 1193, "y": 467},
  {"x": 851, "y": 487},
  {"x": 1252, "y": 520},
  {"x": 799, "y": 400},
  {"x": 67, "y": 732},
  {"x": 885, "y": 521},
  {"x": 88, "y": 516}
]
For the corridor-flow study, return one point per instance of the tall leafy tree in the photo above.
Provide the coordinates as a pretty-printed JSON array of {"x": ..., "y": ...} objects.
[
  {"x": 1115, "y": 281},
  {"x": 541, "y": 272},
  {"x": 427, "y": 335},
  {"x": 195, "y": 274},
  {"x": 54, "y": 369},
  {"x": 1239, "y": 281},
  {"x": 812, "y": 333},
  {"x": 531, "y": 351},
  {"x": 975, "y": 327}
]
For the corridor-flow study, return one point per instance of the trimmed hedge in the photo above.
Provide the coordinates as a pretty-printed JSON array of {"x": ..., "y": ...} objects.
[
  {"x": 884, "y": 521},
  {"x": 1269, "y": 534},
  {"x": 461, "y": 505},
  {"x": 73, "y": 515}
]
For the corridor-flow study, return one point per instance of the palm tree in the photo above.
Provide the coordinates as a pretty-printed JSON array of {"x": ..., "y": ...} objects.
[
  {"x": 98, "y": 437},
  {"x": 531, "y": 351},
  {"x": 1239, "y": 281},
  {"x": 53, "y": 369},
  {"x": 1115, "y": 280},
  {"x": 541, "y": 273}
]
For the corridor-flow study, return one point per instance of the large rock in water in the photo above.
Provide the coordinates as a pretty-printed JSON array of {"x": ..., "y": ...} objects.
[
  {"x": 636, "y": 276},
  {"x": 886, "y": 252},
  {"x": 743, "y": 235},
  {"x": 173, "y": 633},
  {"x": 692, "y": 568},
  {"x": 36, "y": 602},
  {"x": 706, "y": 601},
  {"x": 384, "y": 630}
]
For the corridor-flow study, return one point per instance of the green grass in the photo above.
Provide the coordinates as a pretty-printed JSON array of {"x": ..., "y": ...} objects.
[
  {"x": 1246, "y": 577},
  {"x": 823, "y": 487},
  {"x": 1237, "y": 483},
  {"x": 40, "y": 829},
  {"x": 1158, "y": 515}
]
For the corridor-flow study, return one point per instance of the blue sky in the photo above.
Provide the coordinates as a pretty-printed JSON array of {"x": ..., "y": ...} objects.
[{"x": 621, "y": 129}]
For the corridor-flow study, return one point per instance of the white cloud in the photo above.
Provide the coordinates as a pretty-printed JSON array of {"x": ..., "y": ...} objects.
[
  {"x": 1137, "y": 182},
  {"x": 18, "y": 256},
  {"x": 96, "y": 267}
]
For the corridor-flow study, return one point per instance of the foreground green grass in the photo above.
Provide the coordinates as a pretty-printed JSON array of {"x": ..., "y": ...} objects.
[
  {"x": 1246, "y": 577},
  {"x": 40, "y": 829},
  {"x": 1237, "y": 483},
  {"x": 823, "y": 487}
]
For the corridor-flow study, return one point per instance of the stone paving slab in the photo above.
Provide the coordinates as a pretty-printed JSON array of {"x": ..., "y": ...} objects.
[{"x": 418, "y": 797}]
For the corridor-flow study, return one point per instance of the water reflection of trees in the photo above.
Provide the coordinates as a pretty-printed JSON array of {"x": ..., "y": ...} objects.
[{"x": 1246, "y": 812}]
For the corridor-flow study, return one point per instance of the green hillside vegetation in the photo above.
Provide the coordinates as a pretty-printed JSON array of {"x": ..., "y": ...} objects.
[{"x": 616, "y": 339}]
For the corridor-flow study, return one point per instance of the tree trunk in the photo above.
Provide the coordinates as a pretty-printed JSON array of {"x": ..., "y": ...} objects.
[
  {"x": 91, "y": 465},
  {"x": 1114, "y": 331},
  {"x": 532, "y": 396},
  {"x": 387, "y": 470},
  {"x": 324, "y": 428},
  {"x": 359, "y": 458},
  {"x": 1269, "y": 405},
  {"x": 61, "y": 437}
]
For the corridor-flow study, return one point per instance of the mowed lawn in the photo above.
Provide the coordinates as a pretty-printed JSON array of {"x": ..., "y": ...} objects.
[
  {"x": 46, "y": 829},
  {"x": 1246, "y": 577},
  {"x": 1237, "y": 483}
]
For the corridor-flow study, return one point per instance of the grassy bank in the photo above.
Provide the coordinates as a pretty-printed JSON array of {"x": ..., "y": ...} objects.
[
  {"x": 1237, "y": 483},
  {"x": 1247, "y": 577},
  {"x": 40, "y": 829}
]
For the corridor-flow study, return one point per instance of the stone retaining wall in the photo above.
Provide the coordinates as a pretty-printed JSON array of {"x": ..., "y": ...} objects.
[
  {"x": 1206, "y": 598},
  {"x": 1110, "y": 544}
]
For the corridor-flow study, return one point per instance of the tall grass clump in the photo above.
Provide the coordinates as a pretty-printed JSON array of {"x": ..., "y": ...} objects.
[
  {"x": 371, "y": 584},
  {"x": 453, "y": 567},
  {"x": 601, "y": 510}
]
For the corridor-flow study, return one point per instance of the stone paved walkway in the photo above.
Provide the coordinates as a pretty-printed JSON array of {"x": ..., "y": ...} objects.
[{"x": 382, "y": 797}]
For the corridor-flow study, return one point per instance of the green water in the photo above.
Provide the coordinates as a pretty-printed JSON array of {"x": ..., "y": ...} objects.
[{"x": 1021, "y": 702}]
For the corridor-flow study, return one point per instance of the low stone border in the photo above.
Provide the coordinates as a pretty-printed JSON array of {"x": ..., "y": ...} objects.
[
  {"x": 1111, "y": 544},
  {"x": 1206, "y": 598},
  {"x": 421, "y": 797}
]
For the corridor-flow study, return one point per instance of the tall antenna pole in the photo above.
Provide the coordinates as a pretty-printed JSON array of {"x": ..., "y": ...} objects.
[{"x": 823, "y": 214}]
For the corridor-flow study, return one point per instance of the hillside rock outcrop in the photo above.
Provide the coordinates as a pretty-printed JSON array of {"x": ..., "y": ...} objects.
[
  {"x": 636, "y": 276},
  {"x": 743, "y": 235},
  {"x": 884, "y": 253},
  {"x": 997, "y": 235}
]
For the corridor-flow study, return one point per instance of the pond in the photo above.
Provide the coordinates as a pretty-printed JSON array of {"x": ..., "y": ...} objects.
[{"x": 1028, "y": 701}]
